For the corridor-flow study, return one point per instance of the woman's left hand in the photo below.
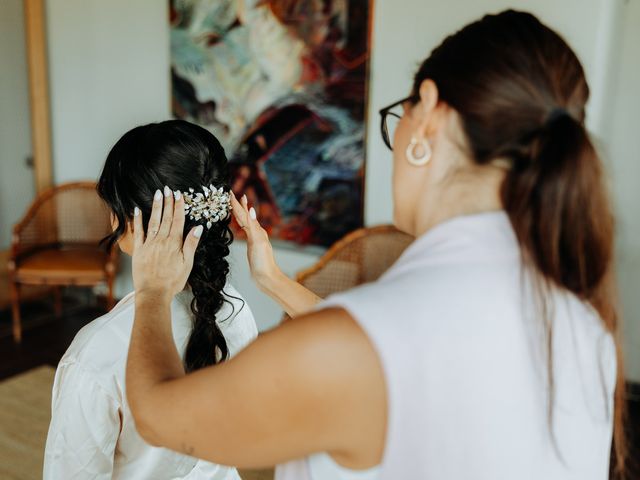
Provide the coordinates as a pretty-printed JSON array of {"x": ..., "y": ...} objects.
[
  {"x": 162, "y": 262},
  {"x": 262, "y": 263}
]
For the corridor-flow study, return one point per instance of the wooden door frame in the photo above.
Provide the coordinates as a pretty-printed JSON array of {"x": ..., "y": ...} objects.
[{"x": 36, "y": 43}]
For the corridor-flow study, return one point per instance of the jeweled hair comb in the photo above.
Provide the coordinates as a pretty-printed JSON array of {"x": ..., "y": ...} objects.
[{"x": 211, "y": 205}]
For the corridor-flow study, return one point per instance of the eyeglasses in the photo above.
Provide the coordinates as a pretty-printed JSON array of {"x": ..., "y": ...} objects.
[{"x": 384, "y": 119}]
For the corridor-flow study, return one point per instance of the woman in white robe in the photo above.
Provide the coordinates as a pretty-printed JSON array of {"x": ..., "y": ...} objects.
[{"x": 92, "y": 433}]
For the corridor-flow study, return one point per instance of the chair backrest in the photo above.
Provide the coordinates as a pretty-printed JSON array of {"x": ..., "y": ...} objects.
[
  {"x": 71, "y": 214},
  {"x": 360, "y": 257}
]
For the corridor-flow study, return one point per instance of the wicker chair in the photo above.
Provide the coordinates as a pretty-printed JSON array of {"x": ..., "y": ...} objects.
[
  {"x": 360, "y": 257},
  {"x": 57, "y": 244}
]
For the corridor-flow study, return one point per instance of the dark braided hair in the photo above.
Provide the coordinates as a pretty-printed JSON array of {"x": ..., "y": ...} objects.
[{"x": 180, "y": 155}]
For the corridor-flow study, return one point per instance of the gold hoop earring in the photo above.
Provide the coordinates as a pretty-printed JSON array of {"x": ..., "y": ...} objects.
[{"x": 426, "y": 156}]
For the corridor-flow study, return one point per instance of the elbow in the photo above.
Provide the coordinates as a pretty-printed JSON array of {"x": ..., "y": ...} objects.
[
  {"x": 146, "y": 431},
  {"x": 146, "y": 428},
  {"x": 148, "y": 435},
  {"x": 145, "y": 421}
]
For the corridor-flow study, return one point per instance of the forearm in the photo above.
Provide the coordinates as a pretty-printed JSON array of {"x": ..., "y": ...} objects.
[
  {"x": 294, "y": 298},
  {"x": 153, "y": 357}
]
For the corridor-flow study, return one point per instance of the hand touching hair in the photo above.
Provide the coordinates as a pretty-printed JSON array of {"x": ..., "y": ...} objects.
[{"x": 179, "y": 155}]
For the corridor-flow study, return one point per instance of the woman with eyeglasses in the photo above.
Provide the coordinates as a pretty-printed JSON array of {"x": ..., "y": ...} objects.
[{"x": 488, "y": 351}]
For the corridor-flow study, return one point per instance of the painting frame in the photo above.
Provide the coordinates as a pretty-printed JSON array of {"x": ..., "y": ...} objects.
[{"x": 320, "y": 122}]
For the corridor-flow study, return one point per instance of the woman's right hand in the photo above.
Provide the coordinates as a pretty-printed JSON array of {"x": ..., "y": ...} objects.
[
  {"x": 293, "y": 297},
  {"x": 259, "y": 251}
]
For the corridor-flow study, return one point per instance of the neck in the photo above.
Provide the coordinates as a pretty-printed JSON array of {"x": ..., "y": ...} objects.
[{"x": 472, "y": 191}]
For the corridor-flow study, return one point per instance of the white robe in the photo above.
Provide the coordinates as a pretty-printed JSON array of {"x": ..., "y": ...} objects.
[{"x": 92, "y": 433}]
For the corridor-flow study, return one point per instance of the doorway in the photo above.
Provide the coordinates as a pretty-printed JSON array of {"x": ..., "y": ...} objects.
[{"x": 16, "y": 174}]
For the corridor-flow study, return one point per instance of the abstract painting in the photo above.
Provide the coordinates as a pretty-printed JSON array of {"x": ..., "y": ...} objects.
[{"x": 282, "y": 85}]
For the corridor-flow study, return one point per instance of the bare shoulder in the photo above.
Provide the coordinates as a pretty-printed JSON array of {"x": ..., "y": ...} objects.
[
  {"x": 330, "y": 353},
  {"x": 331, "y": 335}
]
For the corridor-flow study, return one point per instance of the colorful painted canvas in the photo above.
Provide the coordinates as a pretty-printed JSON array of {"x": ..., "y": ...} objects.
[{"x": 282, "y": 84}]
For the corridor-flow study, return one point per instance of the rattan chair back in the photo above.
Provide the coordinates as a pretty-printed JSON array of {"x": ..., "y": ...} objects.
[{"x": 360, "y": 257}]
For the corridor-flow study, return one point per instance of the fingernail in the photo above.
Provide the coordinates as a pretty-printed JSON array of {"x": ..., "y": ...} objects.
[
  {"x": 198, "y": 231},
  {"x": 176, "y": 194},
  {"x": 158, "y": 195},
  {"x": 244, "y": 197},
  {"x": 136, "y": 211},
  {"x": 167, "y": 191},
  {"x": 252, "y": 213}
]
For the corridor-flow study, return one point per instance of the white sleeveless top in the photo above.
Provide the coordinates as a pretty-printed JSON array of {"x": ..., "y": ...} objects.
[{"x": 465, "y": 366}]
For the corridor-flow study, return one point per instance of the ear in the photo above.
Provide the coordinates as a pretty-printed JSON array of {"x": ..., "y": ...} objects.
[{"x": 427, "y": 108}]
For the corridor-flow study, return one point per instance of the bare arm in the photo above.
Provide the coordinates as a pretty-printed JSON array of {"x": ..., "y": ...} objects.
[
  {"x": 293, "y": 392},
  {"x": 294, "y": 298},
  {"x": 308, "y": 386}
]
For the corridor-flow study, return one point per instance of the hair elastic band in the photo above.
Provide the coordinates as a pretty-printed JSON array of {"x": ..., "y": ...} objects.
[{"x": 556, "y": 113}]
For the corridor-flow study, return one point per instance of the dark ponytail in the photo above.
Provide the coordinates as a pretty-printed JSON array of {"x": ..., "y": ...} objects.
[
  {"x": 559, "y": 210},
  {"x": 558, "y": 207},
  {"x": 179, "y": 155},
  {"x": 520, "y": 93}
]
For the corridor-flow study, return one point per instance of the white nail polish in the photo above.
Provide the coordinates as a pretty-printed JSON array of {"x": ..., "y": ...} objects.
[
  {"x": 167, "y": 191},
  {"x": 158, "y": 195},
  {"x": 252, "y": 213},
  {"x": 136, "y": 211},
  {"x": 176, "y": 194},
  {"x": 198, "y": 231}
]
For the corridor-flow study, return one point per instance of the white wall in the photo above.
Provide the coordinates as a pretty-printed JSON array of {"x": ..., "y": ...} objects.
[
  {"x": 16, "y": 180},
  {"x": 405, "y": 36},
  {"x": 109, "y": 64},
  {"x": 623, "y": 155},
  {"x": 109, "y": 72}
]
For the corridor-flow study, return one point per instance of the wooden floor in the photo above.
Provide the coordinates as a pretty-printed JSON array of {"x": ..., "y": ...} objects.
[
  {"x": 46, "y": 338},
  {"x": 25, "y": 406}
]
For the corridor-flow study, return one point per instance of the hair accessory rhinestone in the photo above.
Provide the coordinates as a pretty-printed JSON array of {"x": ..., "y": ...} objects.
[{"x": 211, "y": 205}]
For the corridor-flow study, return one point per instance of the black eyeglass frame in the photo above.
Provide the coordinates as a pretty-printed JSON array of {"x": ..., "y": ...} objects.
[{"x": 386, "y": 111}]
